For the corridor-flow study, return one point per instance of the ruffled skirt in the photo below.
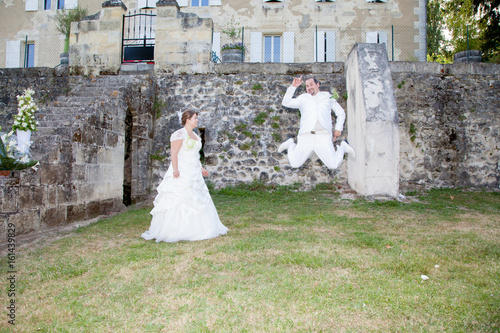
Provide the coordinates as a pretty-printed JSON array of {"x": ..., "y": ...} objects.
[{"x": 183, "y": 208}]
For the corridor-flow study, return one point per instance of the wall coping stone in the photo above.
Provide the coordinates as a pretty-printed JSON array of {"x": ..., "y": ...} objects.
[
  {"x": 162, "y": 3},
  {"x": 451, "y": 69},
  {"x": 279, "y": 68},
  {"x": 114, "y": 3}
]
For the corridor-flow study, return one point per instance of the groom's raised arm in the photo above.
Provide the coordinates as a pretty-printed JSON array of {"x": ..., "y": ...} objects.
[{"x": 288, "y": 101}]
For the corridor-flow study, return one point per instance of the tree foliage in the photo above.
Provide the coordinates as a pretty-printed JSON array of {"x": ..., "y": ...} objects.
[
  {"x": 435, "y": 25},
  {"x": 65, "y": 17},
  {"x": 489, "y": 13},
  {"x": 474, "y": 24}
]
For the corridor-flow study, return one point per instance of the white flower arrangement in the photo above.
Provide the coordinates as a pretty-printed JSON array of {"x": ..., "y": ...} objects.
[
  {"x": 25, "y": 118},
  {"x": 11, "y": 157}
]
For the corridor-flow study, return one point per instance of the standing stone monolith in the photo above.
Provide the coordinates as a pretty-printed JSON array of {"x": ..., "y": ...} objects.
[{"x": 372, "y": 120}]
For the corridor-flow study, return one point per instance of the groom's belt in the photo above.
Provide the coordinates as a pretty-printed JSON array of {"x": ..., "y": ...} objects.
[{"x": 318, "y": 131}]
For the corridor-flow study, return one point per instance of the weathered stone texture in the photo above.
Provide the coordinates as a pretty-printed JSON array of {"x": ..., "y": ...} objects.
[
  {"x": 449, "y": 126},
  {"x": 104, "y": 140},
  {"x": 239, "y": 148}
]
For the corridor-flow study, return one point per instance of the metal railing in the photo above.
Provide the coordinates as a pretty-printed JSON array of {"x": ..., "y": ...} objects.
[{"x": 138, "y": 36}]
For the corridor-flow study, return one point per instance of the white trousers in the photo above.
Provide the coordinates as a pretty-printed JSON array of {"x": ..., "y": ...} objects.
[{"x": 320, "y": 143}]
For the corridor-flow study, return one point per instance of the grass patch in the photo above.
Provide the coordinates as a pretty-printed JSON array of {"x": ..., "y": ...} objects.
[{"x": 291, "y": 262}]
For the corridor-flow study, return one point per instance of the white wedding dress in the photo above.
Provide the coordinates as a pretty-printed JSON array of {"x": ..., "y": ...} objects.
[{"x": 183, "y": 208}]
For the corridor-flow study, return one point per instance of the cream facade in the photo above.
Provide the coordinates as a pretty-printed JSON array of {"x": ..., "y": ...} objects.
[{"x": 272, "y": 31}]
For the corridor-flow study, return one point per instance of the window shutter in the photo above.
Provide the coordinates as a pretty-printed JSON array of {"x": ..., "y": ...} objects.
[
  {"x": 330, "y": 46},
  {"x": 319, "y": 46},
  {"x": 13, "y": 58},
  {"x": 256, "y": 47},
  {"x": 371, "y": 37},
  {"x": 216, "y": 44},
  {"x": 182, "y": 3},
  {"x": 215, "y": 3},
  {"x": 31, "y": 5},
  {"x": 382, "y": 37},
  {"x": 288, "y": 47},
  {"x": 70, "y": 4}
]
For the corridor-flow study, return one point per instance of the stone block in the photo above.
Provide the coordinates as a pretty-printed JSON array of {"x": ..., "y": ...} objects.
[
  {"x": 166, "y": 12},
  {"x": 31, "y": 196},
  {"x": 26, "y": 221},
  {"x": 50, "y": 195},
  {"x": 110, "y": 26},
  {"x": 4, "y": 220},
  {"x": 76, "y": 212},
  {"x": 53, "y": 216},
  {"x": 52, "y": 173},
  {"x": 372, "y": 120},
  {"x": 113, "y": 13},
  {"x": 111, "y": 139},
  {"x": 66, "y": 193},
  {"x": 93, "y": 209},
  {"x": 10, "y": 199},
  {"x": 29, "y": 177}
]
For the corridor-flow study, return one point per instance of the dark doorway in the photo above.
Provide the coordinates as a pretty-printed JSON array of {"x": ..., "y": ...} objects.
[
  {"x": 127, "y": 172},
  {"x": 202, "y": 136}
]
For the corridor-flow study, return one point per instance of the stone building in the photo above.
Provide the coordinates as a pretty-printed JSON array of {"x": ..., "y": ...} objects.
[{"x": 271, "y": 30}]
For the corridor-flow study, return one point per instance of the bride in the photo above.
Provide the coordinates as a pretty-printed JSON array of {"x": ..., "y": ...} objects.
[{"x": 183, "y": 208}]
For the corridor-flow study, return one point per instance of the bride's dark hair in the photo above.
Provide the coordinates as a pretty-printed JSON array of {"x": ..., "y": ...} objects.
[{"x": 187, "y": 115}]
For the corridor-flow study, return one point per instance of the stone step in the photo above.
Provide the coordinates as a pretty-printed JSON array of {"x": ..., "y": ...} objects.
[
  {"x": 48, "y": 118},
  {"x": 48, "y": 127},
  {"x": 76, "y": 99},
  {"x": 96, "y": 91},
  {"x": 61, "y": 110},
  {"x": 115, "y": 81}
]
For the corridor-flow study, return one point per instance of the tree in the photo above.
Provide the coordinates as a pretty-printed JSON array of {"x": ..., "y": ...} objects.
[
  {"x": 65, "y": 17},
  {"x": 489, "y": 12},
  {"x": 463, "y": 25},
  {"x": 474, "y": 24},
  {"x": 435, "y": 20}
]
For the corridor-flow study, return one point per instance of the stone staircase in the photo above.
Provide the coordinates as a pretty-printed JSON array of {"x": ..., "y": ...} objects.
[
  {"x": 80, "y": 104},
  {"x": 91, "y": 113}
]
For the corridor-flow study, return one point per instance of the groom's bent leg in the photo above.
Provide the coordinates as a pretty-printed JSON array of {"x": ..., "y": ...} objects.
[
  {"x": 326, "y": 152},
  {"x": 300, "y": 152}
]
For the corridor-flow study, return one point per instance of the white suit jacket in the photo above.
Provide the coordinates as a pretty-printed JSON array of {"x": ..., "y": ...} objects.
[{"x": 315, "y": 108}]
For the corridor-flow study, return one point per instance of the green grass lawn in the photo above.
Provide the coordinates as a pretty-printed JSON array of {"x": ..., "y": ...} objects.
[{"x": 291, "y": 262}]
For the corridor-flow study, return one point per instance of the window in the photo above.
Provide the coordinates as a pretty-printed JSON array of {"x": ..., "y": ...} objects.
[
  {"x": 379, "y": 37},
  {"x": 60, "y": 4},
  {"x": 376, "y": 1},
  {"x": 199, "y": 3},
  {"x": 324, "y": 46},
  {"x": 324, "y": 0},
  {"x": 46, "y": 4},
  {"x": 29, "y": 55},
  {"x": 272, "y": 48},
  {"x": 273, "y": 0}
]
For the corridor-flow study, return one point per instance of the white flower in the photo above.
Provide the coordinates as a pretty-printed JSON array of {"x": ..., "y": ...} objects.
[{"x": 424, "y": 277}]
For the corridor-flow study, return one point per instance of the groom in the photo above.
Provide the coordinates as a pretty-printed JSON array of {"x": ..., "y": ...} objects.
[{"x": 315, "y": 134}]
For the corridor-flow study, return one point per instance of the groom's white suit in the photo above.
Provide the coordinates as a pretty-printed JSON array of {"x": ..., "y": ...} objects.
[{"x": 315, "y": 133}]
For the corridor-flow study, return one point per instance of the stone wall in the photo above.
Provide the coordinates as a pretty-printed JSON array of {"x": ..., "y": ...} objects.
[
  {"x": 449, "y": 124},
  {"x": 81, "y": 145},
  {"x": 96, "y": 44},
  {"x": 243, "y": 123},
  {"x": 103, "y": 136}
]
